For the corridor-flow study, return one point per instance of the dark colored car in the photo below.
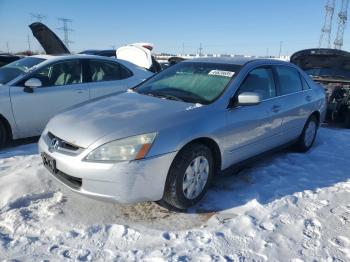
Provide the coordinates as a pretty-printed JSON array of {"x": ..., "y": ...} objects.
[
  {"x": 8, "y": 58},
  {"x": 108, "y": 53},
  {"x": 331, "y": 69}
]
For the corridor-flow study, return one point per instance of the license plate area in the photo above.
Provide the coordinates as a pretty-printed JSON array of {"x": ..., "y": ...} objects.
[{"x": 49, "y": 163}]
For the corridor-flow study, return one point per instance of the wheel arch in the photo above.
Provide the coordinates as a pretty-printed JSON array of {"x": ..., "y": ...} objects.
[
  {"x": 317, "y": 114},
  {"x": 214, "y": 148}
]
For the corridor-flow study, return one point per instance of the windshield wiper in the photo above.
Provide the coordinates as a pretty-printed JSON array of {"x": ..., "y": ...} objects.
[{"x": 166, "y": 96}]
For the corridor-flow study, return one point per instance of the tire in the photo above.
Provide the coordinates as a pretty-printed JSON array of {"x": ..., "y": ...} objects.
[
  {"x": 347, "y": 118},
  {"x": 186, "y": 185},
  {"x": 308, "y": 136},
  {"x": 3, "y": 135}
]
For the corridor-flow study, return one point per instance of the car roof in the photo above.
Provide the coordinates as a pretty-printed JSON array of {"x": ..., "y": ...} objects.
[
  {"x": 68, "y": 56},
  {"x": 235, "y": 60}
]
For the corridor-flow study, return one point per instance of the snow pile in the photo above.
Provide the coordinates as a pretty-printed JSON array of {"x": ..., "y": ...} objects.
[{"x": 289, "y": 207}]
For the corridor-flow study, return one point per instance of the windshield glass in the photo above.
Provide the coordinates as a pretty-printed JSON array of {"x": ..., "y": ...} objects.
[
  {"x": 14, "y": 69},
  {"x": 192, "y": 82},
  {"x": 329, "y": 72}
]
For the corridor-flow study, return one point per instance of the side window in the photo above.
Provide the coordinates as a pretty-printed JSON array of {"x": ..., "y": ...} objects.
[
  {"x": 60, "y": 74},
  {"x": 289, "y": 79},
  {"x": 106, "y": 71},
  {"x": 260, "y": 81},
  {"x": 305, "y": 84}
]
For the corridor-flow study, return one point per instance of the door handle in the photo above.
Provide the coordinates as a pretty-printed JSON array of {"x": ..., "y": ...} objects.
[
  {"x": 79, "y": 90},
  {"x": 308, "y": 98},
  {"x": 276, "y": 108}
]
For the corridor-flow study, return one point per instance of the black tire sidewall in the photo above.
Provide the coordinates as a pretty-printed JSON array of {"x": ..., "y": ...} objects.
[
  {"x": 3, "y": 135},
  {"x": 174, "y": 186},
  {"x": 347, "y": 118}
]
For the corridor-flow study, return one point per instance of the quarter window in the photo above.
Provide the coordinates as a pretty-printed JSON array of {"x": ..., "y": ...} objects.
[
  {"x": 260, "y": 81},
  {"x": 289, "y": 79},
  {"x": 104, "y": 71},
  {"x": 305, "y": 84}
]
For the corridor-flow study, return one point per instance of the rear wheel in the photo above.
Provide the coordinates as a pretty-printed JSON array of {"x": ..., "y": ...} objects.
[
  {"x": 3, "y": 135},
  {"x": 347, "y": 118},
  {"x": 308, "y": 136},
  {"x": 189, "y": 176}
]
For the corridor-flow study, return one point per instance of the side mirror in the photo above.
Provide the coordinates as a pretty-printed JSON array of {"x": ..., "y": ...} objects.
[
  {"x": 248, "y": 99},
  {"x": 31, "y": 84}
]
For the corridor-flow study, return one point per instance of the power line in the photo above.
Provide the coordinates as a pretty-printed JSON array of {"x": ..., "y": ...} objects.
[{"x": 66, "y": 29}]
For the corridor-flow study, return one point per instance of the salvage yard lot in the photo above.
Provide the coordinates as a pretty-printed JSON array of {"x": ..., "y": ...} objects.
[{"x": 286, "y": 207}]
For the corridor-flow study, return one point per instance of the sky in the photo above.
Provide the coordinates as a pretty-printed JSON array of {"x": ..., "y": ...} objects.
[{"x": 250, "y": 27}]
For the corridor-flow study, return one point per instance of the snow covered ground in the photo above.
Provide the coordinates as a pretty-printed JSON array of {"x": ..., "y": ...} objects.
[{"x": 287, "y": 207}]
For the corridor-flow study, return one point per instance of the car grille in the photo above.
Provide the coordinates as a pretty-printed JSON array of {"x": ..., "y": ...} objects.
[
  {"x": 73, "y": 182},
  {"x": 61, "y": 144}
]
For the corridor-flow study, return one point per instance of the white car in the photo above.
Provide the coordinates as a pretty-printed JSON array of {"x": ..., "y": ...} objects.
[{"x": 34, "y": 89}]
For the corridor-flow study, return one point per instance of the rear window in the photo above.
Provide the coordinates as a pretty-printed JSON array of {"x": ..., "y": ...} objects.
[
  {"x": 289, "y": 80},
  {"x": 191, "y": 81}
]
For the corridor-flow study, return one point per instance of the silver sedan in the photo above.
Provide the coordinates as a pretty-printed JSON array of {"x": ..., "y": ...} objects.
[
  {"x": 168, "y": 138},
  {"x": 34, "y": 89}
]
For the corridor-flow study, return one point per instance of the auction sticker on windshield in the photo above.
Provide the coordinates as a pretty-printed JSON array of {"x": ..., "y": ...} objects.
[{"x": 221, "y": 73}]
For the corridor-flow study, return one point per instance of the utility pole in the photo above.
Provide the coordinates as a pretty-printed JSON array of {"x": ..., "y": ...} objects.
[
  {"x": 28, "y": 40},
  {"x": 38, "y": 17},
  {"x": 280, "y": 52},
  {"x": 8, "y": 48},
  {"x": 342, "y": 19},
  {"x": 326, "y": 30},
  {"x": 200, "y": 50},
  {"x": 66, "y": 29}
]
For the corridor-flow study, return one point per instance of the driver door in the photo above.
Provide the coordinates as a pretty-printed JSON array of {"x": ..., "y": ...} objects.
[
  {"x": 254, "y": 129},
  {"x": 62, "y": 87}
]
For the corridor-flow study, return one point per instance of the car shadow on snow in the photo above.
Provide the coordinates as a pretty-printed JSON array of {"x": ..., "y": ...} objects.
[
  {"x": 21, "y": 147},
  {"x": 283, "y": 173}
]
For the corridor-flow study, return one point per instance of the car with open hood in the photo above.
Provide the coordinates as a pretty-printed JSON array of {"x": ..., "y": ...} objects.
[
  {"x": 331, "y": 69},
  {"x": 167, "y": 138},
  {"x": 33, "y": 89}
]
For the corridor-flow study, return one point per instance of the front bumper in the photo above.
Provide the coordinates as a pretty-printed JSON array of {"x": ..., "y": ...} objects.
[{"x": 123, "y": 182}]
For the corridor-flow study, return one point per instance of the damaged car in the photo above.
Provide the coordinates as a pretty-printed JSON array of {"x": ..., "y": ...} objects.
[{"x": 331, "y": 69}]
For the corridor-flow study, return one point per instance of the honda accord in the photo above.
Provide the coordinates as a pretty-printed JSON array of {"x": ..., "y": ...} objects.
[{"x": 167, "y": 138}]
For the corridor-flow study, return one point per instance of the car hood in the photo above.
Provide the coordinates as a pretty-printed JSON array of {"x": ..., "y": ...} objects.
[
  {"x": 321, "y": 58},
  {"x": 51, "y": 43},
  {"x": 122, "y": 115}
]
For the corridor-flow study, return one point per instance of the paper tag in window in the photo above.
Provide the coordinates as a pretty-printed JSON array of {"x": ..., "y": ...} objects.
[{"x": 221, "y": 73}]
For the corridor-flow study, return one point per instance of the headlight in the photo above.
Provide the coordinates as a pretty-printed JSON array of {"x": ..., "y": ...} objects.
[{"x": 127, "y": 149}]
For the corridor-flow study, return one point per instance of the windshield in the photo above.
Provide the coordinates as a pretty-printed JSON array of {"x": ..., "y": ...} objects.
[
  {"x": 191, "y": 82},
  {"x": 328, "y": 72},
  {"x": 14, "y": 69}
]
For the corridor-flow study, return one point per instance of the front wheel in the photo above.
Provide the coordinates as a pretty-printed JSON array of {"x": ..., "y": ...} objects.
[
  {"x": 189, "y": 176},
  {"x": 308, "y": 136}
]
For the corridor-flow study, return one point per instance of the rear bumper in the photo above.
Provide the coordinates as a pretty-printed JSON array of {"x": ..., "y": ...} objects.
[{"x": 123, "y": 182}]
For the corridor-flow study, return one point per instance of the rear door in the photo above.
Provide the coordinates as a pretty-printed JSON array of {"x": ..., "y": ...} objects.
[
  {"x": 107, "y": 77},
  {"x": 62, "y": 87},
  {"x": 295, "y": 96},
  {"x": 254, "y": 129}
]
